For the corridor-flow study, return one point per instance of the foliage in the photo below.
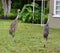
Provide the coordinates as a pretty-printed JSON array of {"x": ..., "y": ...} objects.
[
  {"x": 46, "y": 10},
  {"x": 14, "y": 11},
  {"x": 45, "y": 18},
  {"x": 15, "y": 4},
  {"x": 1, "y": 11},
  {"x": 26, "y": 14},
  {"x": 11, "y": 15}
]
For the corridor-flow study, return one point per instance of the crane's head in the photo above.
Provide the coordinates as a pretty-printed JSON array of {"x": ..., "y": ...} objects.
[{"x": 18, "y": 10}]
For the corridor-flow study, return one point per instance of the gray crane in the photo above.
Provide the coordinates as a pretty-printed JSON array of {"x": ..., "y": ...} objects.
[
  {"x": 46, "y": 33},
  {"x": 13, "y": 26}
]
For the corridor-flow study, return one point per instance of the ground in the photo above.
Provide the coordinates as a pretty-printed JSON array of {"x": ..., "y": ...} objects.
[{"x": 29, "y": 39}]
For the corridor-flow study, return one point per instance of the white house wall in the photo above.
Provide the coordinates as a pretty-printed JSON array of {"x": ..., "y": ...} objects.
[{"x": 54, "y": 22}]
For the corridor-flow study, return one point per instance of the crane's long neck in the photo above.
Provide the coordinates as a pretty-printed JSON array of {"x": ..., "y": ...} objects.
[{"x": 17, "y": 16}]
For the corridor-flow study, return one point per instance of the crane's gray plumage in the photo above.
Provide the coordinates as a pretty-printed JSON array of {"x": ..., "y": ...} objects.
[
  {"x": 46, "y": 32},
  {"x": 13, "y": 26}
]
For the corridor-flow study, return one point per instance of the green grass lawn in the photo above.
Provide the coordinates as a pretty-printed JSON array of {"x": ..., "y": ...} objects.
[{"x": 29, "y": 39}]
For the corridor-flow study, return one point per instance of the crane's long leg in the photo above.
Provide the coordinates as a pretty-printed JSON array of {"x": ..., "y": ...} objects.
[
  {"x": 44, "y": 42},
  {"x": 13, "y": 36},
  {"x": 45, "y": 39}
]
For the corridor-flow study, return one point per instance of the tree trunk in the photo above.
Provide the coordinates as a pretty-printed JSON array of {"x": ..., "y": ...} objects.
[
  {"x": 6, "y": 6},
  {"x": 9, "y": 6}
]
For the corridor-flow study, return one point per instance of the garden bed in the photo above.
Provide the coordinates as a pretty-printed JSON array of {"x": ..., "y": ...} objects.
[{"x": 5, "y": 17}]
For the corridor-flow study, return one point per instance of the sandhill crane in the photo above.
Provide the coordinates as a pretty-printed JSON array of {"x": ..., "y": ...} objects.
[
  {"x": 13, "y": 26},
  {"x": 46, "y": 33}
]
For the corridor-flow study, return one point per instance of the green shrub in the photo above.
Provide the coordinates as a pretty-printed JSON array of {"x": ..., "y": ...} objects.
[
  {"x": 10, "y": 15},
  {"x": 46, "y": 10},
  {"x": 45, "y": 18},
  {"x": 14, "y": 11},
  {"x": 26, "y": 14},
  {"x": 1, "y": 11}
]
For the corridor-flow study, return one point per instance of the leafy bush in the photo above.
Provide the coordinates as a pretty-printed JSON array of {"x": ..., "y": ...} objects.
[
  {"x": 1, "y": 11},
  {"x": 46, "y": 10},
  {"x": 14, "y": 11},
  {"x": 45, "y": 18},
  {"x": 11, "y": 15},
  {"x": 26, "y": 14},
  {"x": 16, "y": 4}
]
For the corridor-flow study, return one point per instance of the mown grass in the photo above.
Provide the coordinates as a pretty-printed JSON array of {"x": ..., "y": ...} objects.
[{"x": 29, "y": 39}]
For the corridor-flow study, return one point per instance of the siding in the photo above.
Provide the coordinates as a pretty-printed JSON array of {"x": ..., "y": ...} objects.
[{"x": 53, "y": 22}]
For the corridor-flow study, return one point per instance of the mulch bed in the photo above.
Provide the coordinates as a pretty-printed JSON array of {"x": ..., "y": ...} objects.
[{"x": 5, "y": 17}]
